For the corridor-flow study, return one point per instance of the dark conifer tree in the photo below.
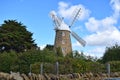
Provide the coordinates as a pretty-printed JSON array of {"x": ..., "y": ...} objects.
[{"x": 14, "y": 36}]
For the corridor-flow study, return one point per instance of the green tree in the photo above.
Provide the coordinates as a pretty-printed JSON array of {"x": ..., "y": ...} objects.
[
  {"x": 112, "y": 54},
  {"x": 14, "y": 36},
  {"x": 115, "y": 66},
  {"x": 81, "y": 55},
  {"x": 59, "y": 51},
  {"x": 8, "y": 61},
  {"x": 49, "y": 47}
]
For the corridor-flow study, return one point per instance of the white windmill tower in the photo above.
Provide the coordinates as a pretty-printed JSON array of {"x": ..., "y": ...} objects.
[{"x": 62, "y": 38}]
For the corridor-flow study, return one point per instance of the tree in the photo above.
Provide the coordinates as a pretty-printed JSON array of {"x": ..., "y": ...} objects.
[
  {"x": 14, "y": 36},
  {"x": 59, "y": 51},
  {"x": 112, "y": 54},
  {"x": 8, "y": 61},
  {"x": 81, "y": 55},
  {"x": 49, "y": 47}
]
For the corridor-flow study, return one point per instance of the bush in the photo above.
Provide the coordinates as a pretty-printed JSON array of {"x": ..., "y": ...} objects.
[
  {"x": 114, "y": 66},
  {"x": 12, "y": 61}
]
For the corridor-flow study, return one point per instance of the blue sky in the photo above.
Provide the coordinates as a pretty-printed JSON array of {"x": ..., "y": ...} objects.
[{"x": 98, "y": 24}]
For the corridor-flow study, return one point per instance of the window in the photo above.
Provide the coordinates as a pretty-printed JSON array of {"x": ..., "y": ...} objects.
[
  {"x": 63, "y": 33},
  {"x": 63, "y": 50},
  {"x": 63, "y": 41}
]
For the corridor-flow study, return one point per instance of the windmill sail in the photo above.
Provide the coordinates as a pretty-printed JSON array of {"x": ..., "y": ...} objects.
[
  {"x": 80, "y": 40},
  {"x": 57, "y": 20},
  {"x": 75, "y": 17}
]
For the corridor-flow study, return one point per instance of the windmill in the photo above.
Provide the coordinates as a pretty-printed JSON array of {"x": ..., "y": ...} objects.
[{"x": 63, "y": 31}]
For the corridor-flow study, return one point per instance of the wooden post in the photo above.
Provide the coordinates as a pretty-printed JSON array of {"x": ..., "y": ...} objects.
[
  {"x": 57, "y": 68},
  {"x": 108, "y": 69},
  {"x": 41, "y": 68}
]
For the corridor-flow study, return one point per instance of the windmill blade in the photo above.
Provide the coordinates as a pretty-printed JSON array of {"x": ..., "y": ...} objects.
[
  {"x": 57, "y": 20},
  {"x": 75, "y": 17},
  {"x": 80, "y": 40}
]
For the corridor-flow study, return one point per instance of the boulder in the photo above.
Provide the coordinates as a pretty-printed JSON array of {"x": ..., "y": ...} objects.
[
  {"x": 53, "y": 77},
  {"x": 41, "y": 77},
  {"x": 63, "y": 77},
  {"x": 16, "y": 76},
  {"x": 88, "y": 75},
  {"x": 76, "y": 75},
  {"x": 46, "y": 77},
  {"x": 4, "y": 75},
  {"x": 69, "y": 76},
  {"x": 25, "y": 77},
  {"x": 33, "y": 76},
  {"x": 115, "y": 74}
]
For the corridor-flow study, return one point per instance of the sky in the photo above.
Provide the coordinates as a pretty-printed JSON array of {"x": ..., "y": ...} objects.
[{"x": 98, "y": 23}]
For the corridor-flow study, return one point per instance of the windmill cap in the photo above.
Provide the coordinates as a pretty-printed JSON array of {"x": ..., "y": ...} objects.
[{"x": 63, "y": 26}]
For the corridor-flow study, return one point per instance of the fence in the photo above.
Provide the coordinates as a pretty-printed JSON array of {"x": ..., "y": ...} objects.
[{"x": 60, "y": 68}]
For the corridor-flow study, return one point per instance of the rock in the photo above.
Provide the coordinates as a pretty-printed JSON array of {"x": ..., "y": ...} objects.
[
  {"x": 3, "y": 74},
  {"x": 69, "y": 76},
  {"x": 76, "y": 75},
  {"x": 63, "y": 77},
  {"x": 103, "y": 75},
  {"x": 33, "y": 76},
  {"x": 53, "y": 77},
  {"x": 88, "y": 75},
  {"x": 91, "y": 74},
  {"x": 16, "y": 76},
  {"x": 41, "y": 77},
  {"x": 46, "y": 77},
  {"x": 25, "y": 77},
  {"x": 86, "y": 79},
  {"x": 96, "y": 75},
  {"x": 115, "y": 74},
  {"x": 84, "y": 75},
  {"x": 73, "y": 76}
]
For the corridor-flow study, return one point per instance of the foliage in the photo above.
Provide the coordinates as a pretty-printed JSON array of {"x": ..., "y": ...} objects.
[
  {"x": 78, "y": 65},
  {"x": 95, "y": 67},
  {"x": 114, "y": 66},
  {"x": 6, "y": 60},
  {"x": 22, "y": 62},
  {"x": 59, "y": 51},
  {"x": 12, "y": 61},
  {"x": 81, "y": 56},
  {"x": 49, "y": 47},
  {"x": 14, "y": 36},
  {"x": 111, "y": 54}
]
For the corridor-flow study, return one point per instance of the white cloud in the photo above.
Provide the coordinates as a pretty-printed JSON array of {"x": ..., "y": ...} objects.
[
  {"x": 104, "y": 38},
  {"x": 116, "y": 7},
  {"x": 79, "y": 28},
  {"x": 104, "y": 31},
  {"x": 94, "y": 25},
  {"x": 67, "y": 11},
  {"x": 96, "y": 52},
  {"x": 63, "y": 5},
  {"x": 76, "y": 44},
  {"x": 42, "y": 46}
]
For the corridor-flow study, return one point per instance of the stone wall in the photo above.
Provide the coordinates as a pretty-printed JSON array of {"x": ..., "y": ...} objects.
[{"x": 73, "y": 76}]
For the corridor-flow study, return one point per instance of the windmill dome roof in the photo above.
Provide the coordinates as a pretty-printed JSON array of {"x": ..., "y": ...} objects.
[{"x": 63, "y": 26}]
